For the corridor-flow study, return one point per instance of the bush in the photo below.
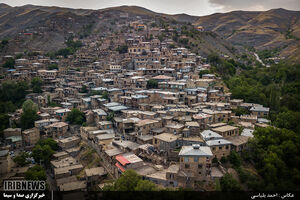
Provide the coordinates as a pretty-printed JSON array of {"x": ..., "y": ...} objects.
[
  {"x": 229, "y": 184},
  {"x": 215, "y": 160},
  {"x": 21, "y": 159},
  {"x": 122, "y": 49},
  {"x": 10, "y": 63},
  {"x": 36, "y": 173},
  {"x": 152, "y": 84},
  {"x": 235, "y": 159},
  {"x": 224, "y": 160},
  {"x": 131, "y": 181},
  {"x": 53, "y": 66}
]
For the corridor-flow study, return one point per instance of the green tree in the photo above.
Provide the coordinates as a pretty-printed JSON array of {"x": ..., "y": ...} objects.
[
  {"x": 49, "y": 141},
  {"x": 21, "y": 159},
  {"x": 202, "y": 72},
  {"x": 105, "y": 95},
  {"x": 84, "y": 89},
  {"x": 9, "y": 63},
  {"x": 42, "y": 154},
  {"x": 275, "y": 153},
  {"x": 289, "y": 120},
  {"x": 235, "y": 159},
  {"x": 223, "y": 159},
  {"x": 29, "y": 115},
  {"x": 76, "y": 117},
  {"x": 229, "y": 184},
  {"x": 36, "y": 173},
  {"x": 131, "y": 181},
  {"x": 110, "y": 116},
  {"x": 36, "y": 84},
  {"x": 19, "y": 55},
  {"x": 4, "y": 123},
  {"x": 122, "y": 49},
  {"x": 215, "y": 160},
  {"x": 13, "y": 91},
  {"x": 4, "y": 42},
  {"x": 145, "y": 185},
  {"x": 172, "y": 46},
  {"x": 241, "y": 111},
  {"x": 152, "y": 84},
  {"x": 213, "y": 58},
  {"x": 53, "y": 66}
]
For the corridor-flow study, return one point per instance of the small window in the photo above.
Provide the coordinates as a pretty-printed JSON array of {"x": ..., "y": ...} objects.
[
  {"x": 196, "y": 159},
  {"x": 200, "y": 166},
  {"x": 186, "y": 159},
  {"x": 220, "y": 148},
  {"x": 187, "y": 166}
]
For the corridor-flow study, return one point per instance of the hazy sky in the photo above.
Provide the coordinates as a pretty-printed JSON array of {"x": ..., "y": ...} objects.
[{"x": 192, "y": 7}]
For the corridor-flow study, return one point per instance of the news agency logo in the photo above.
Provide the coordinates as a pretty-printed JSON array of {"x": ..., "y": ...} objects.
[{"x": 20, "y": 185}]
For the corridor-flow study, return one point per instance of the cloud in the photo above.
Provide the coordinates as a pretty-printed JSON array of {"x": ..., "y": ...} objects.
[{"x": 255, "y": 5}]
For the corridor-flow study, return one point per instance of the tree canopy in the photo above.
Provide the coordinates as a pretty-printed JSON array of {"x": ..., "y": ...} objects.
[
  {"x": 229, "y": 184},
  {"x": 9, "y": 63},
  {"x": 36, "y": 84},
  {"x": 152, "y": 84},
  {"x": 122, "y": 49},
  {"x": 21, "y": 159},
  {"x": 76, "y": 117},
  {"x": 131, "y": 181},
  {"x": 36, "y": 173},
  {"x": 43, "y": 150},
  {"x": 276, "y": 155},
  {"x": 29, "y": 115}
]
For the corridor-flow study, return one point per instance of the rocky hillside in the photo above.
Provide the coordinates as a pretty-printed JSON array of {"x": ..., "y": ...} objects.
[{"x": 277, "y": 28}]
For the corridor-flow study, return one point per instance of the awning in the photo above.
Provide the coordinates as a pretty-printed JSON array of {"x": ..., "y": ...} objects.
[
  {"x": 119, "y": 167},
  {"x": 122, "y": 160}
]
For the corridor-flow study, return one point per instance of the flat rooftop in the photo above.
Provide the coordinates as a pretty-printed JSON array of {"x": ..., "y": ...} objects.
[
  {"x": 167, "y": 137},
  {"x": 225, "y": 128},
  {"x": 97, "y": 171}
]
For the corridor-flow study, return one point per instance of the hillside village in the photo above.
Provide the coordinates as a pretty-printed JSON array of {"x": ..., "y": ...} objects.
[{"x": 143, "y": 106}]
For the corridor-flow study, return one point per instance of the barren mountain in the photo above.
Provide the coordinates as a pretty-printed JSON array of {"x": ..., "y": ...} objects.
[{"x": 277, "y": 28}]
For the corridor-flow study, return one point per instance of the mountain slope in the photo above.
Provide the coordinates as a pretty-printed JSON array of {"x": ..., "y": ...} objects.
[{"x": 277, "y": 28}]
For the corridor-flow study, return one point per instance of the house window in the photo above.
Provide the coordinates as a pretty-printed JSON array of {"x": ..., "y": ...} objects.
[
  {"x": 187, "y": 166},
  {"x": 227, "y": 147},
  {"x": 220, "y": 148},
  {"x": 199, "y": 166},
  {"x": 186, "y": 159},
  {"x": 196, "y": 159}
]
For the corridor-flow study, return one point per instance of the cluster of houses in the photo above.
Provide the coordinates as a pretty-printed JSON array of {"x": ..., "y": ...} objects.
[{"x": 169, "y": 134}]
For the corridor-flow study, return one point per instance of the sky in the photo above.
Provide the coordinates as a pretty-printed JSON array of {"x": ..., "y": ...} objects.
[{"x": 191, "y": 7}]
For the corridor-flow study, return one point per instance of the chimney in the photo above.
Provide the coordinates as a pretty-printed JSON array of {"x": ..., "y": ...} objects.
[{"x": 196, "y": 146}]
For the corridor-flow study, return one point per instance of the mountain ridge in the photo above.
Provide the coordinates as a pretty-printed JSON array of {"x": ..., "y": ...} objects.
[{"x": 275, "y": 28}]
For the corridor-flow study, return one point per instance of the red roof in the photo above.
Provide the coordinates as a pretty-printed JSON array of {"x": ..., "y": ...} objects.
[
  {"x": 119, "y": 166},
  {"x": 122, "y": 160}
]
